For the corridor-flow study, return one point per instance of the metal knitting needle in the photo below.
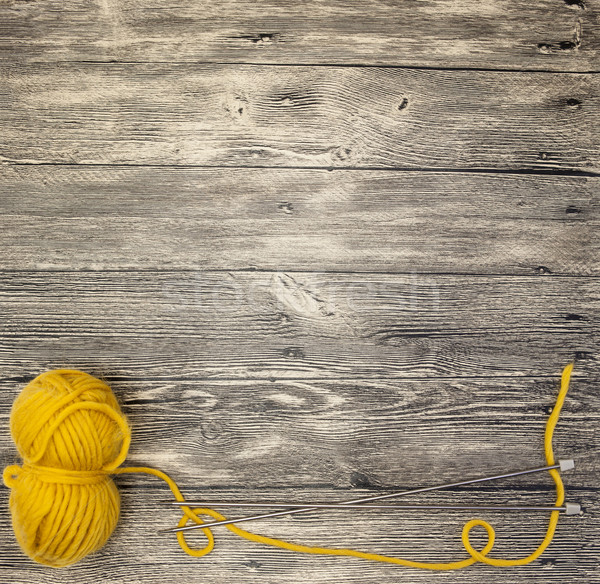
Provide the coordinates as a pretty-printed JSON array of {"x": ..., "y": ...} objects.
[
  {"x": 562, "y": 465},
  {"x": 569, "y": 510}
]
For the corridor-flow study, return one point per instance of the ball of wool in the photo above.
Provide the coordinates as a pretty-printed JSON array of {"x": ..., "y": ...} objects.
[{"x": 71, "y": 433}]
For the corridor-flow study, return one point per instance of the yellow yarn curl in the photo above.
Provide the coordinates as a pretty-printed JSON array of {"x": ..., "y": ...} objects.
[{"x": 72, "y": 436}]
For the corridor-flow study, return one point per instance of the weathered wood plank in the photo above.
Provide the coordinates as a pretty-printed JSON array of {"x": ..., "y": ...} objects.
[
  {"x": 299, "y": 326},
  {"x": 335, "y": 440},
  {"x": 344, "y": 434},
  {"x": 136, "y": 553},
  {"x": 547, "y": 34},
  {"x": 243, "y": 115},
  {"x": 282, "y": 219}
]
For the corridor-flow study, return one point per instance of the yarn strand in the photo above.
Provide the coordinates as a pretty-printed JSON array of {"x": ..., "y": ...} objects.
[{"x": 475, "y": 556}]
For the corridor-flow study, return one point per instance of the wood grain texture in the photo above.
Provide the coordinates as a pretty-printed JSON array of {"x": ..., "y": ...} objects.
[
  {"x": 245, "y": 325},
  {"x": 112, "y": 218},
  {"x": 319, "y": 250},
  {"x": 334, "y": 440},
  {"x": 329, "y": 117},
  {"x": 547, "y": 34}
]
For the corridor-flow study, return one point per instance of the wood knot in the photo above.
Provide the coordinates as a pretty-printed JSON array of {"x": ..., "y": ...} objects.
[
  {"x": 211, "y": 429},
  {"x": 572, "y": 316},
  {"x": 572, "y": 209},
  {"x": 359, "y": 480},
  {"x": 341, "y": 153},
  {"x": 263, "y": 38},
  {"x": 286, "y": 207},
  {"x": 237, "y": 108},
  {"x": 293, "y": 353}
]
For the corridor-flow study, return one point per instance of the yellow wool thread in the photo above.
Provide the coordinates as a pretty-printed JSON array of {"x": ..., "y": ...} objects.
[{"x": 72, "y": 436}]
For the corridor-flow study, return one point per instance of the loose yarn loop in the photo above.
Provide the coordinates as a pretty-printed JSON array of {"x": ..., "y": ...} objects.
[{"x": 72, "y": 436}]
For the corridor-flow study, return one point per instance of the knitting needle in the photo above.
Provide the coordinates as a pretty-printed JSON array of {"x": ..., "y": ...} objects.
[
  {"x": 400, "y": 507},
  {"x": 562, "y": 465}
]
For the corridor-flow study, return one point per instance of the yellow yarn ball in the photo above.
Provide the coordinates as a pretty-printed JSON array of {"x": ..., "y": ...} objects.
[{"x": 71, "y": 433}]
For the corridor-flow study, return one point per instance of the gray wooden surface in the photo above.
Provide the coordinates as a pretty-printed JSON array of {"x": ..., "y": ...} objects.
[{"x": 319, "y": 250}]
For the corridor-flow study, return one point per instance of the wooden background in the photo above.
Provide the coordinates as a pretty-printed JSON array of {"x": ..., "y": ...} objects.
[{"x": 320, "y": 250}]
